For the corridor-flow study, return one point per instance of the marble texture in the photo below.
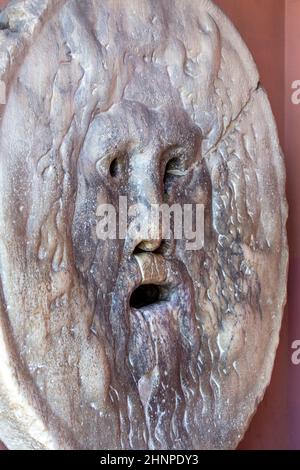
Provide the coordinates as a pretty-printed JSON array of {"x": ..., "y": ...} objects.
[{"x": 158, "y": 101}]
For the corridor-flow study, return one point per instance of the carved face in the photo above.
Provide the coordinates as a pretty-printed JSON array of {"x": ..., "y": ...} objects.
[
  {"x": 136, "y": 342},
  {"x": 145, "y": 309},
  {"x": 145, "y": 155}
]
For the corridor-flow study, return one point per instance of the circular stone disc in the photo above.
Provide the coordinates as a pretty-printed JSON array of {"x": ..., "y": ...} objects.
[{"x": 156, "y": 101}]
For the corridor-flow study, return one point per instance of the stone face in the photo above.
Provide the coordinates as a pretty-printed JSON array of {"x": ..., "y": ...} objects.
[{"x": 136, "y": 342}]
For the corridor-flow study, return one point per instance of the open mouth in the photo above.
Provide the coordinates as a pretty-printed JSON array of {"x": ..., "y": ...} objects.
[
  {"x": 151, "y": 305},
  {"x": 154, "y": 287},
  {"x": 158, "y": 307},
  {"x": 145, "y": 295}
]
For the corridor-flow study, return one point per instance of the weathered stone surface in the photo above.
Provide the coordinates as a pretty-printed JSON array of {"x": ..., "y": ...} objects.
[{"x": 144, "y": 82}]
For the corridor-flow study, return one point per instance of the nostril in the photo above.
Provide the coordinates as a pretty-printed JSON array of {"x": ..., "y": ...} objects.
[
  {"x": 165, "y": 248},
  {"x": 162, "y": 248},
  {"x": 138, "y": 250},
  {"x": 148, "y": 245}
]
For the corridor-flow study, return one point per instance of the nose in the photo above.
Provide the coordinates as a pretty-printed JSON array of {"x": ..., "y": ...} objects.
[
  {"x": 145, "y": 189},
  {"x": 148, "y": 242},
  {"x": 149, "y": 245}
]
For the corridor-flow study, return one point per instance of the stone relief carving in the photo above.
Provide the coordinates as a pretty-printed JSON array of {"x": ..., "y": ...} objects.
[{"x": 135, "y": 343}]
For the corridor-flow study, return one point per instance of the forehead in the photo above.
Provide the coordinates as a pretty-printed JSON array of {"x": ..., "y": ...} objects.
[{"x": 134, "y": 123}]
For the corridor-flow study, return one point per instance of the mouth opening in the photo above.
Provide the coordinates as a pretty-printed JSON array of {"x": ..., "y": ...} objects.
[{"x": 144, "y": 295}]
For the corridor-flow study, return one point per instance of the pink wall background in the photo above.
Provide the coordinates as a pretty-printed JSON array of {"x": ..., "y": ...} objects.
[
  {"x": 292, "y": 152},
  {"x": 271, "y": 30},
  {"x": 262, "y": 26}
]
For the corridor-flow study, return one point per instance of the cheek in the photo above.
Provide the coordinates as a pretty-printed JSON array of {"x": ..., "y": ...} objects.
[
  {"x": 196, "y": 191},
  {"x": 95, "y": 257},
  {"x": 199, "y": 189},
  {"x": 105, "y": 265},
  {"x": 83, "y": 237},
  {"x": 84, "y": 225}
]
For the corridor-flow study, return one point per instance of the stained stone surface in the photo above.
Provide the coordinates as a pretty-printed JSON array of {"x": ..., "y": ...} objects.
[{"x": 101, "y": 97}]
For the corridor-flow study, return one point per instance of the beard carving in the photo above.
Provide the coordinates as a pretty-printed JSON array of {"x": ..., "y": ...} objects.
[{"x": 156, "y": 379}]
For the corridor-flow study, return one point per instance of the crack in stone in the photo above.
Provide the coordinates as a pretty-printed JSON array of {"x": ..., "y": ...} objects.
[{"x": 230, "y": 126}]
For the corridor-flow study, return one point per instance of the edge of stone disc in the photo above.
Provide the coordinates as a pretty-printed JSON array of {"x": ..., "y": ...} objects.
[{"x": 281, "y": 172}]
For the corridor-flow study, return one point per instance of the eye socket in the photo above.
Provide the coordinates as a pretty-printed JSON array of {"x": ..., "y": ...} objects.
[
  {"x": 114, "y": 168},
  {"x": 174, "y": 167},
  {"x": 119, "y": 164},
  {"x": 173, "y": 171}
]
